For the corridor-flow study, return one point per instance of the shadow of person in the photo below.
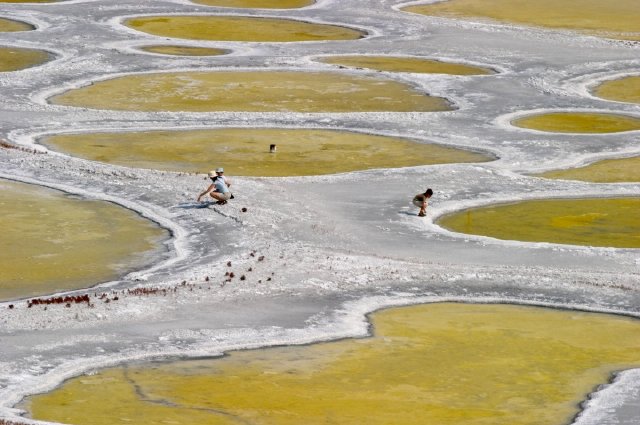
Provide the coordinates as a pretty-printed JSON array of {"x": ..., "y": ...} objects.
[{"x": 194, "y": 205}]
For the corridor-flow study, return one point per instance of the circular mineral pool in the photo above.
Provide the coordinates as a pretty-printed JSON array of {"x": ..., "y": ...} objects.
[
  {"x": 602, "y": 222},
  {"x": 626, "y": 89},
  {"x": 252, "y": 91},
  {"x": 258, "y": 4},
  {"x": 406, "y": 64},
  {"x": 54, "y": 242},
  {"x": 240, "y": 28},
  {"x": 247, "y": 151},
  {"x": 618, "y": 20},
  {"x": 15, "y": 59},
  {"x": 184, "y": 50},
  {"x": 606, "y": 171},
  {"x": 444, "y": 364},
  {"x": 9, "y": 25},
  {"x": 579, "y": 122}
]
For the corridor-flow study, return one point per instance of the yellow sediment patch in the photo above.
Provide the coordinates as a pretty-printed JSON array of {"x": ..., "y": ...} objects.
[
  {"x": 579, "y": 122},
  {"x": 15, "y": 59},
  {"x": 605, "y": 171},
  {"x": 607, "y": 222},
  {"x": 240, "y": 28},
  {"x": 251, "y": 91},
  {"x": 299, "y": 152},
  {"x": 618, "y": 20},
  {"x": 184, "y": 50},
  {"x": 258, "y": 4},
  {"x": 9, "y": 25},
  {"x": 52, "y": 242},
  {"x": 625, "y": 89},
  {"x": 406, "y": 64},
  {"x": 444, "y": 364}
]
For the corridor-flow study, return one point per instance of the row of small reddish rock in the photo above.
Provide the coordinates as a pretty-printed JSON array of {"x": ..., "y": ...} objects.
[
  {"x": 5, "y": 422},
  {"x": 141, "y": 291},
  {"x": 75, "y": 299}
]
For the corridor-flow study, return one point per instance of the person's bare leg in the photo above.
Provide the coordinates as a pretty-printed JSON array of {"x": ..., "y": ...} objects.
[{"x": 217, "y": 196}]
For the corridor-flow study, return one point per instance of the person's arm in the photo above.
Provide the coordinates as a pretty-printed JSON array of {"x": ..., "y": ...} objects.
[
  {"x": 227, "y": 181},
  {"x": 211, "y": 187}
]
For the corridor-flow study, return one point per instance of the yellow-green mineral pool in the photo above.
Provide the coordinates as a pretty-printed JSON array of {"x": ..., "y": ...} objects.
[
  {"x": 606, "y": 171},
  {"x": 252, "y": 91},
  {"x": 246, "y": 151},
  {"x": 9, "y": 25},
  {"x": 626, "y": 89},
  {"x": 184, "y": 50},
  {"x": 619, "y": 19},
  {"x": 53, "y": 242},
  {"x": 579, "y": 122},
  {"x": 15, "y": 59},
  {"x": 406, "y": 64},
  {"x": 240, "y": 28},
  {"x": 604, "y": 222},
  {"x": 439, "y": 364},
  {"x": 258, "y": 4}
]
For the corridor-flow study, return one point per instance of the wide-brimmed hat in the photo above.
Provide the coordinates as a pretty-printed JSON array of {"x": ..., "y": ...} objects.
[
  {"x": 220, "y": 170},
  {"x": 212, "y": 173}
]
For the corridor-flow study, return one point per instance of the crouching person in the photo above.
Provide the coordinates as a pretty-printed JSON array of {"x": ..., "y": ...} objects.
[
  {"x": 421, "y": 201},
  {"x": 218, "y": 189}
]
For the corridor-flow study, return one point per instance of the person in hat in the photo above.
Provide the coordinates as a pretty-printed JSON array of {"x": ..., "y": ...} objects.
[
  {"x": 421, "y": 200},
  {"x": 219, "y": 187},
  {"x": 220, "y": 175}
]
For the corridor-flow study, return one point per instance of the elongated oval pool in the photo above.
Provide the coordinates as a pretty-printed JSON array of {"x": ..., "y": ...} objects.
[
  {"x": 246, "y": 151},
  {"x": 252, "y": 91},
  {"x": 55, "y": 242},
  {"x": 445, "y": 364},
  {"x": 604, "y": 222}
]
